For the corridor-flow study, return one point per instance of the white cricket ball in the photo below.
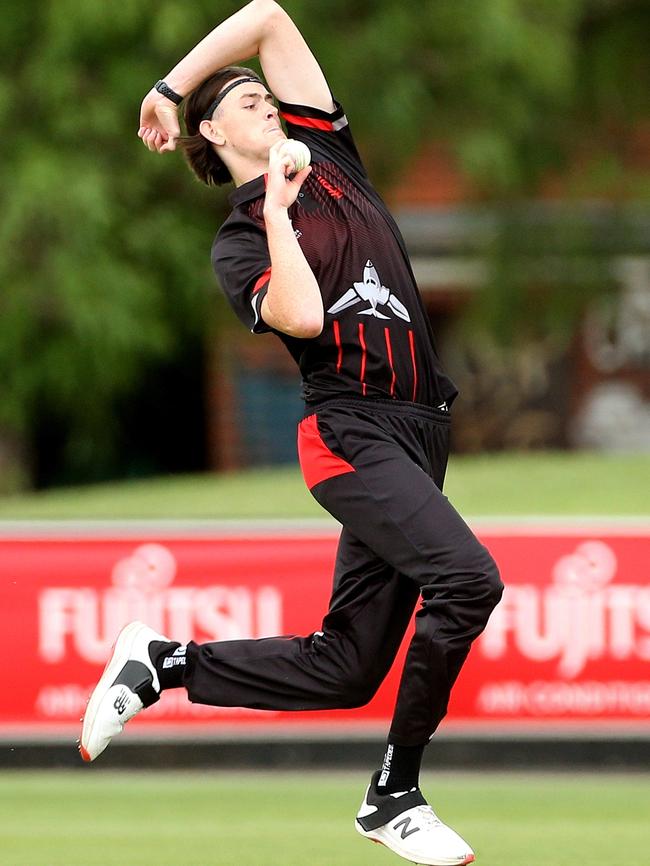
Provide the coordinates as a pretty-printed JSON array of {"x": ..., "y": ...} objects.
[{"x": 298, "y": 151}]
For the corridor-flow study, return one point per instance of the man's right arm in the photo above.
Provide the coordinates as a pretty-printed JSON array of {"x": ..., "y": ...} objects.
[{"x": 293, "y": 303}]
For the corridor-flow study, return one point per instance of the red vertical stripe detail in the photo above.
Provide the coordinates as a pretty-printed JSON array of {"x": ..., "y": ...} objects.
[
  {"x": 337, "y": 337},
  {"x": 389, "y": 349},
  {"x": 364, "y": 352},
  {"x": 415, "y": 368}
]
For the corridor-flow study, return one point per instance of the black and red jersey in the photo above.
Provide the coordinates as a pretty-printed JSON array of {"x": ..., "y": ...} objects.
[{"x": 376, "y": 340}]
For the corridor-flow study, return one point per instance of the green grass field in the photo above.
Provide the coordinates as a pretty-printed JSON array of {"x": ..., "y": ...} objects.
[
  {"x": 561, "y": 483},
  {"x": 149, "y": 819}
]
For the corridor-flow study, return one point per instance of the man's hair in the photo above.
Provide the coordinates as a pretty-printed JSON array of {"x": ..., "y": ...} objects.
[{"x": 199, "y": 152}]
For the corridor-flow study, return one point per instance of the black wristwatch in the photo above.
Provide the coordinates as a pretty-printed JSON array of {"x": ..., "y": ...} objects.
[{"x": 166, "y": 90}]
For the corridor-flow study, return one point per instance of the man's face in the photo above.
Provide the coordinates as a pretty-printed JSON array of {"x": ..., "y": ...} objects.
[{"x": 248, "y": 120}]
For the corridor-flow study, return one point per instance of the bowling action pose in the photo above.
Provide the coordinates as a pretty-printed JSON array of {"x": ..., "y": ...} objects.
[{"x": 315, "y": 257}]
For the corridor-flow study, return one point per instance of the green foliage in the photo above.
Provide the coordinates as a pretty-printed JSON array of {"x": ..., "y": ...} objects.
[
  {"x": 104, "y": 247},
  {"x": 485, "y": 76},
  {"x": 613, "y": 70},
  {"x": 104, "y": 259}
]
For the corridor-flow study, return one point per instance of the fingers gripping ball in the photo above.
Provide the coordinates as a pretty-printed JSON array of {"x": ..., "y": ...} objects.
[{"x": 298, "y": 151}]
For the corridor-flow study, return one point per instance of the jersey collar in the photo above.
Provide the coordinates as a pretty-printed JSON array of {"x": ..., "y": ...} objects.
[{"x": 248, "y": 191}]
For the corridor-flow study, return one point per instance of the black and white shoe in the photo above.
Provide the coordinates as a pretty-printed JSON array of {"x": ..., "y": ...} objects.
[
  {"x": 405, "y": 823},
  {"x": 128, "y": 684}
]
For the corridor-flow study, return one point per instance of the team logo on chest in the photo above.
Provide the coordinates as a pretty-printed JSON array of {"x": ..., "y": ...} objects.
[{"x": 371, "y": 291}]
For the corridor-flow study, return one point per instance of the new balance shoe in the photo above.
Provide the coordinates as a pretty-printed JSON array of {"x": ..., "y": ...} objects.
[
  {"x": 128, "y": 684},
  {"x": 406, "y": 824}
]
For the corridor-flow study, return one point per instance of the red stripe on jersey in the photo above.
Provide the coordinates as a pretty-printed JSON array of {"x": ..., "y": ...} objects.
[
  {"x": 364, "y": 352},
  {"x": 317, "y": 462},
  {"x": 337, "y": 337},
  {"x": 263, "y": 280},
  {"x": 415, "y": 369},
  {"x": 389, "y": 349},
  {"x": 308, "y": 122}
]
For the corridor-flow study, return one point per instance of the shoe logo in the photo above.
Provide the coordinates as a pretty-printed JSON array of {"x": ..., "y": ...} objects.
[
  {"x": 371, "y": 290},
  {"x": 121, "y": 702},
  {"x": 404, "y": 832}
]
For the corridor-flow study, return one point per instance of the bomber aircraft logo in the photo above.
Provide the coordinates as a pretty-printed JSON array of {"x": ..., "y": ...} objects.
[{"x": 373, "y": 292}]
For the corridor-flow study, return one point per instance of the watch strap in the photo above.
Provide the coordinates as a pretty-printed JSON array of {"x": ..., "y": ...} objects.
[{"x": 166, "y": 90}]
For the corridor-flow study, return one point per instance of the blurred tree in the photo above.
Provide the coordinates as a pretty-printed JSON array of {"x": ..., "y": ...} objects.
[
  {"x": 548, "y": 264},
  {"x": 104, "y": 248},
  {"x": 103, "y": 252}
]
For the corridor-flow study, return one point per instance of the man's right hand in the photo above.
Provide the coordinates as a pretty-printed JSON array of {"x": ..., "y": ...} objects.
[
  {"x": 159, "y": 127},
  {"x": 281, "y": 192}
]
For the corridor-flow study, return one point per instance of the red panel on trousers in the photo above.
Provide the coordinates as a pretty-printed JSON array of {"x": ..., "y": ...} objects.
[{"x": 317, "y": 462}]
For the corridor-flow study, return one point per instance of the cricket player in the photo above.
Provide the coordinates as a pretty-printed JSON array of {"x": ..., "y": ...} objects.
[{"x": 311, "y": 254}]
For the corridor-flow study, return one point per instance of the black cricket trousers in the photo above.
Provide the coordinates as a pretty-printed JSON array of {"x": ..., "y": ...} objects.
[{"x": 378, "y": 467}]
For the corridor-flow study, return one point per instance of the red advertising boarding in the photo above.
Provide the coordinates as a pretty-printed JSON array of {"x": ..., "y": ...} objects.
[{"x": 567, "y": 648}]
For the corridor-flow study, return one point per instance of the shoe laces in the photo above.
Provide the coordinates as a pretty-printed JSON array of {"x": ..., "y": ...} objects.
[{"x": 428, "y": 816}]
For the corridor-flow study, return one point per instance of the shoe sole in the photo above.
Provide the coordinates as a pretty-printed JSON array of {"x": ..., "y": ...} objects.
[
  {"x": 402, "y": 852},
  {"x": 119, "y": 657}
]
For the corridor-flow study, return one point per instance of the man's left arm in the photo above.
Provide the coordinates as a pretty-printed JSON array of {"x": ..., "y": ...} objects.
[{"x": 261, "y": 28}]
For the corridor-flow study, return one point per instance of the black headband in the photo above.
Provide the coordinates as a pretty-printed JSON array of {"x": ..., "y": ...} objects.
[{"x": 208, "y": 114}]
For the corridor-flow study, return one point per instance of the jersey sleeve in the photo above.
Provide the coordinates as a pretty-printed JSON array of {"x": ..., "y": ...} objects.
[
  {"x": 242, "y": 265},
  {"x": 326, "y": 134}
]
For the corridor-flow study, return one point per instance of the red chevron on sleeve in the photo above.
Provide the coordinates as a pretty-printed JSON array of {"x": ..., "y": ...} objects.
[
  {"x": 308, "y": 122},
  {"x": 263, "y": 280}
]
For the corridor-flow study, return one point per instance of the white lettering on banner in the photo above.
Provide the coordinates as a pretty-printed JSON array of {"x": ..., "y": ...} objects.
[
  {"x": 580, "y": 617},
  {"x": 86, "y": 620},
  {"x": 69, "y": 702},
  {"x": 564, "y": 698}
]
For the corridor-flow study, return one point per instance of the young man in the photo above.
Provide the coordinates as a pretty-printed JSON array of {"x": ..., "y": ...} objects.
[{"x": 315, "y": 257}]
